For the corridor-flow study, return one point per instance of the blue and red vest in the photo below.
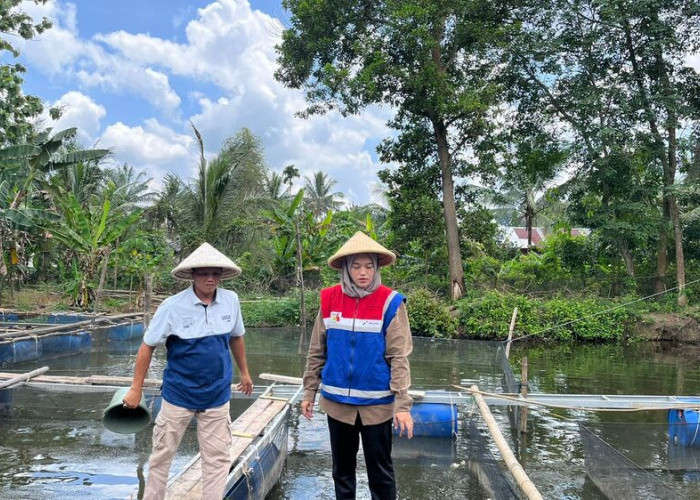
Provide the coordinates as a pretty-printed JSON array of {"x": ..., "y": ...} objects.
[{"x": 356, "y": 370}]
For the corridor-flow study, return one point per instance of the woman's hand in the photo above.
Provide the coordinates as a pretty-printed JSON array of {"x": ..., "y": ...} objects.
[
  {"x": 404, "y": 423},
  {"x": 307, "y": 409}
]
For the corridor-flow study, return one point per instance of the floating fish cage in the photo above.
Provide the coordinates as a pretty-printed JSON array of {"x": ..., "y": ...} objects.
[
  {"x": 28, "y": 349},
  {"x": 25, "y": 337}
]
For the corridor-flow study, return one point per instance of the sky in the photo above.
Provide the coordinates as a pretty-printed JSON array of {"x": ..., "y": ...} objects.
[{"x": 132, "y": 74}]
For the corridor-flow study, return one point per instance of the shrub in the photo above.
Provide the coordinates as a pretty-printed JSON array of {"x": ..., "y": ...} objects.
[
  {"x": 283, "y": 311},
  {"x": 428, "y": 316}
]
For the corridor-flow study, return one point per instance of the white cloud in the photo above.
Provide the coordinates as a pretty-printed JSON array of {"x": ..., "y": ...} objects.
[
  {"x": 693, "y": 61},
  {"x": 79, "y": 110},
  {"x": 225, "y": 67},
  {"x": 61, "y": 53},
  {"x": 152, "y": 144}
]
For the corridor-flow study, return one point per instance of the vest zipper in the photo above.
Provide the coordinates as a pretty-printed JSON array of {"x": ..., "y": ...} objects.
[{"x": 352, "y": 345}]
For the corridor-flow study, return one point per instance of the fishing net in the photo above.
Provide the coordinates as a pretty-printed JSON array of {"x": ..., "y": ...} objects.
[{"x": 619, "y": 477}]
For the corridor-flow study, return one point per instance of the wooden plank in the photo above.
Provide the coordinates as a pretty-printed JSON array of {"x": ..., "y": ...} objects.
[
  {"x": 91, "y": 380},
  {"x": 23, "y": 377},
  {"x": 188, "y": 484}
]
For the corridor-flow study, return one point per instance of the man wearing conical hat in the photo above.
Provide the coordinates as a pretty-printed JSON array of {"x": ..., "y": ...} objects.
[
  {"x": 200, "y": 327},
  {"x": 358, "y": 360}
]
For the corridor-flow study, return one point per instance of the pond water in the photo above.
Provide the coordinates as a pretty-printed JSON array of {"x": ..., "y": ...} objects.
[{"x": 52, "y": 444}]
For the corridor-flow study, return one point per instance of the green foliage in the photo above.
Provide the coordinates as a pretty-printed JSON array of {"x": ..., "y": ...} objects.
[
  {"x": 17, "y": 110},
  {"x": 488, "y": 317},
  {"x": 283, "y": 311},
  {"x": 429, "y": 316}
]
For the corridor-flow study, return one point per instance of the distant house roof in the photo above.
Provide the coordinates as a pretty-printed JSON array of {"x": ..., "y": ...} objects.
[
  {"x": 580, "y": 231},
  {"x": 517, "y": 236}
]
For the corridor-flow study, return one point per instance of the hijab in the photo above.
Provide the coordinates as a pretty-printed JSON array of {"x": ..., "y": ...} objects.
[{"x": 348, "y": 285}]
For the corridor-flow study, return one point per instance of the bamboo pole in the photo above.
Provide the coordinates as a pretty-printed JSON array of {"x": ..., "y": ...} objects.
[
  {"x": 23, "y": 377},
  {"x": 510, "y": 331},
  {"x": 524, "y": 482},
  {"x": 148, "y": 291},
  {"x": 523, "y": 393}
]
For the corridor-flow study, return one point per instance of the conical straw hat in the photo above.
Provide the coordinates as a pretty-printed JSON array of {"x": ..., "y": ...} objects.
[
  {"x": 361, "y": 243},
  {"x": 205, "y": 256}
]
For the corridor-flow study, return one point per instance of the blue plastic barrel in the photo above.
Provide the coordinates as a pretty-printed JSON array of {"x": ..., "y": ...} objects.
[
  {"x": 70, "y": 342},
  {"x": 18, "y": 351},
  {"x": 684, "y": 425},
  {"x": 9, "y": 317},
  {"x": 433, "y": 420},
  {"x": 5, "y": 402},
  {"x": 63, "y": 319},
  {"x": 125, "y": 332}
]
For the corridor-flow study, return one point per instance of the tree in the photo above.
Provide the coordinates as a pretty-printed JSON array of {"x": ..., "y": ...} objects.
[
  {"x": 167, "y": 207},
  {"x": 428, "y": 60},
  {"x": 220, "y": 204},
  {"x": 88, "y": 235},
  {"x": 615, "y": 72},
  {"x": 273, "y": 187},
  {"x": 531, "y": 161},
  {"x": 17, "y": 110},
  {"x": 319, "y": 198},
  {"x": 289, "y": 173}
]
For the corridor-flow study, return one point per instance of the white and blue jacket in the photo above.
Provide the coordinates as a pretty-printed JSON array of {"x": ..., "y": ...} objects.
[
  {"x": 199, "y": 371},
  {"x": 356, "y": 370}
]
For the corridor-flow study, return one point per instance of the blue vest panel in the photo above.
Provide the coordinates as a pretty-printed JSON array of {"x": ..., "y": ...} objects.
[{"x": 356, "y": 370}]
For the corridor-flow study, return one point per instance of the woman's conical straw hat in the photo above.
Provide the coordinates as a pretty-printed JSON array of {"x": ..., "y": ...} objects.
[
  {"x": 206, "y": 256},
  {"x": 361, "y": 243}
]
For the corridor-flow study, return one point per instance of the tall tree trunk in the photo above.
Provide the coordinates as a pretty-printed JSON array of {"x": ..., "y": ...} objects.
[
  {"x": 627, "y": 257},
  {"x": 665, "y": 153},
  {"x": 300, "y": 284},
  {"x": 672, "y": 201},
  {"x": 116, "y": 265},
  {"x": 662, "y": 253},
  {"x": 450, "y": 211}
]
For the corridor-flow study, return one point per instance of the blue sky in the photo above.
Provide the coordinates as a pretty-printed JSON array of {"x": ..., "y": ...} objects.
[{"x": 132, "y": 74}]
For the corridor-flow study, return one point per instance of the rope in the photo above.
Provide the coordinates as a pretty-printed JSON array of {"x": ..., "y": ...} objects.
[
  {"x": 677, "y": 406},
  {"x": 600, "y": 312}
]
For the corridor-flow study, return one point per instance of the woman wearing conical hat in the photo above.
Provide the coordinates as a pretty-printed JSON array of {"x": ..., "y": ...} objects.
[
  {"x": 200, "y": 327},
  {"x": 358, "y": 361}
]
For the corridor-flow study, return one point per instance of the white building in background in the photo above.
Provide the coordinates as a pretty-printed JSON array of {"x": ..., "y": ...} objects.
[{"x": 517, "y": 236}]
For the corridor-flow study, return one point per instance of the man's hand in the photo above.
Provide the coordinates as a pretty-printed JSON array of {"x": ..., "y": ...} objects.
[
  {"x": 132, "y": 398},
  {"x": 246, "y": 385},
  {"x": 404, "y": 423},
  {"x": 307, "y": 409}
]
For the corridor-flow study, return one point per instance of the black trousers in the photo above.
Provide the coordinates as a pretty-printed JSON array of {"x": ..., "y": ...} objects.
[{"x": 376, "y": 443}]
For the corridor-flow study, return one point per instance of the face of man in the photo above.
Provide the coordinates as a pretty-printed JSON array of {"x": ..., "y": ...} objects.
[
  {"x": 206, "y": 279},
  {"x": 362, "y": 270}
]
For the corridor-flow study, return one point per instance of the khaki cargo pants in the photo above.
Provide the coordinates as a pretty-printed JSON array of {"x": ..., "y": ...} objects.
[{"x": 214, "y": 437}]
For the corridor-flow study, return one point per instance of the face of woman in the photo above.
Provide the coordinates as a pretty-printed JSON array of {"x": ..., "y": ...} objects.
[{"x": 362, "y": 270}]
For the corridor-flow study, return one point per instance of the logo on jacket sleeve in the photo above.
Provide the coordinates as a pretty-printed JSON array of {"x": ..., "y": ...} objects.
[{"x": 336, "y": 316}]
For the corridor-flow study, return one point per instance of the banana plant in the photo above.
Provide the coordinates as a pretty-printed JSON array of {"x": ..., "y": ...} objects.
[
  {"x": 88, "y": 235},
  {"x": 283, "y": 228}
]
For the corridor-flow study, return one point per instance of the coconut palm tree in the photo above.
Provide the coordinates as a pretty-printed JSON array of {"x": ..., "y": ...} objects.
[
  {"x": 220, "y": 204},
  {"x": 319, "y": 198}
]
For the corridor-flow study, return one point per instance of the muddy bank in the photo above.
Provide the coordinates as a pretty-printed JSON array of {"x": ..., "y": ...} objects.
[{"x": 666, "y": 327}]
